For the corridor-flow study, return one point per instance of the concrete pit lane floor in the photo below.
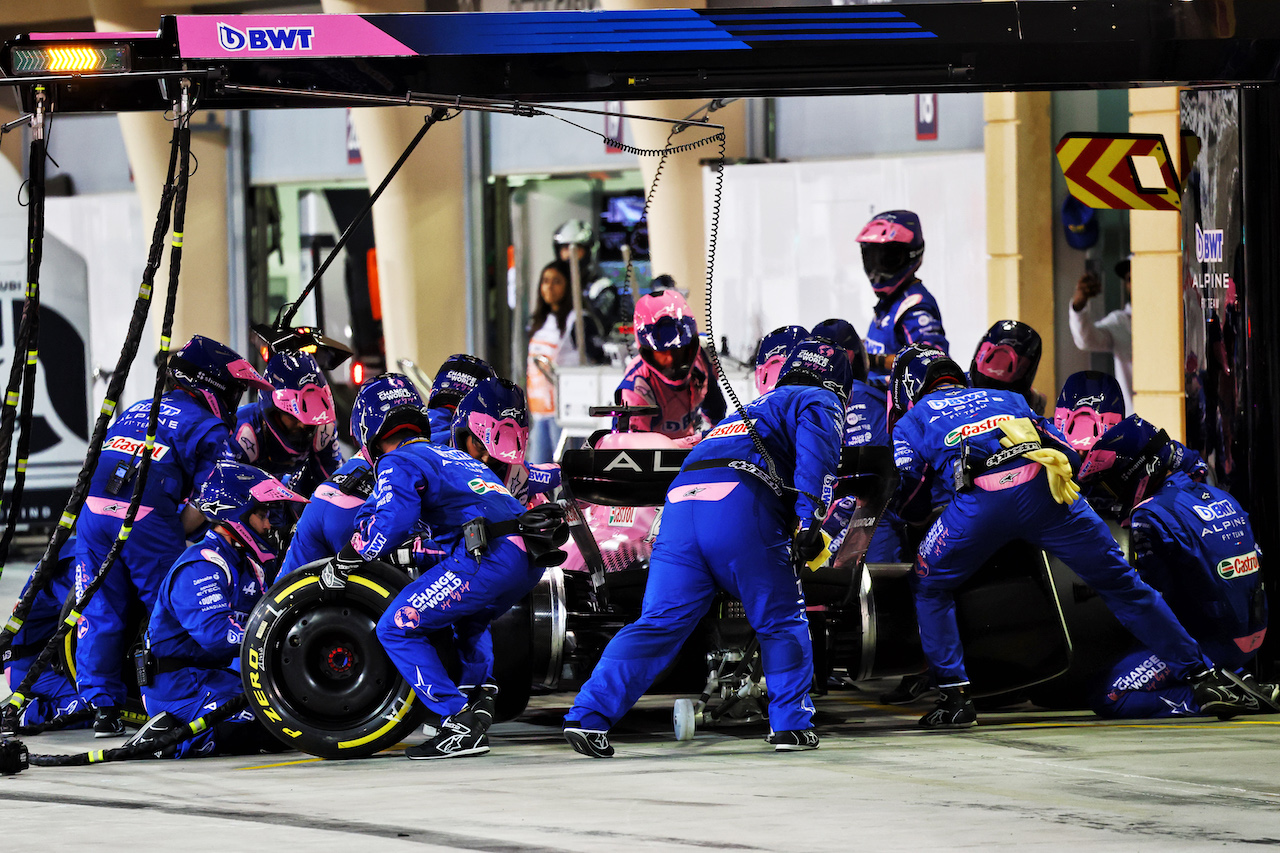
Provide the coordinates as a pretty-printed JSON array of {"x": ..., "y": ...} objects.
[{"x": 1023, "y": 778}]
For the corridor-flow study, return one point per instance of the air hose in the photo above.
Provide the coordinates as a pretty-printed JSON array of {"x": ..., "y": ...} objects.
[
  {"x": 46, "y": 568},
  {"x": 183, "y": 131},
  {"x": 144, "y": 750},
  {"x": 26, "y": 353}
]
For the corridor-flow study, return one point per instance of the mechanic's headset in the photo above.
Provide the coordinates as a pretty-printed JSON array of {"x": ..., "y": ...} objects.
[{"x": 1146, "y": 462}]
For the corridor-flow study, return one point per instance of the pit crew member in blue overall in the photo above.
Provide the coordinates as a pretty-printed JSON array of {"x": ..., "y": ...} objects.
[
  {"x": 329, "y": 520},
  {"x": 53, "y": 694},
  {"x": 1014, "y": 481},
  {"x": 491, "y": 424},
  {"x": 196, "y": 628},
  {"x": 290, "y": 431},
  {"x": 771, "y": 354},
  {"x": 906, "y": 313},
  {"x": 865, "y": 424},
  {"x": 418, "y": 481},
  {"x": 727, "y": 524},
  {"x": 1193, "y": 543},
  {"x": 195, "y": 419},
  {"x": 1007, "y": 358},
  {"x": 455, "y": 379}
]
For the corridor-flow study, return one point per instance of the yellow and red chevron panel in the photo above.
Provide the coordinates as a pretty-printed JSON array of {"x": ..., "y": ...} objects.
[{"x": 1100, "y": 171}]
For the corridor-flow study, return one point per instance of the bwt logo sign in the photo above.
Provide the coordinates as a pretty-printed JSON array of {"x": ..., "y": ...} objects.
[
  {"x": 1208, "y": 245},
  {"x": 265, "y": 38}
]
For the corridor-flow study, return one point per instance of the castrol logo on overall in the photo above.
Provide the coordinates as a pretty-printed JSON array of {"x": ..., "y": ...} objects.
[
  {"x": 1234, "y": 567},
  {"x": 978, "y": 428}
]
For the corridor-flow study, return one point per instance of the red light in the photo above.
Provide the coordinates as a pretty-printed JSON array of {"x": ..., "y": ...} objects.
[{"x": 357, "y": 373}]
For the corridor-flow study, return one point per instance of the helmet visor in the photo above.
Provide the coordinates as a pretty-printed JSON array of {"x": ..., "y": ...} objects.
[{"x": 883, "y": 261}]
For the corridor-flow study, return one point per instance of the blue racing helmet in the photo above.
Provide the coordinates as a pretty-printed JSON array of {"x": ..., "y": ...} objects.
[
  {"x": 820, "y": 362},
  {"x": 772, "y": 352},
  {"x": 232, "y": 493},
  {"x": 1007, "y": 357},
  {"x": 892, "y": 249},
  {"x": 497, "y": 416},
  {"x": 214, "y": 374},
  {"x": 299, "y": 388},
  {"x": 1130, "y": 462},
  {"x": 455, "y": 379},
  {"x": 843, "y": 333},
  {"x": 918, "y": 370},
  {"x": 385, "y": 405},
  {"x": 1089, "y": 404}
]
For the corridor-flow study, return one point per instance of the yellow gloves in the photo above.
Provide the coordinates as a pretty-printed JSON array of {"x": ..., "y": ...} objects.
[{"x": 1056, "y": 466}]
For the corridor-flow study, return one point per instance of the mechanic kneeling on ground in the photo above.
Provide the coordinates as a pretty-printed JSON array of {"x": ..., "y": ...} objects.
[
  {"x": 494, "y": 558},
  {"x": 1193, "y": 543},
  {"x": 727, "y": 525},
  {"x": 196, "y": 629},
  {"x": 989, "y": 450}
]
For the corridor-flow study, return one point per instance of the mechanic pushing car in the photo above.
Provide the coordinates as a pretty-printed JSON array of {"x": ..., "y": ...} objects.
[
  {"x": 671, "y": 371},
  {"x": 1009, "y": 474},
  {"x": 728, "y": 524},
  {"x": 1193, "y": 543},
  {"x": 457, "y": 377},
  {"x": 905, "y": 313},
  {"x": 195, "y": 419},
  {"x": 494, "y": 557},
  {"x": 290, "y": 431},
  {"x": 197, "y": 625}
]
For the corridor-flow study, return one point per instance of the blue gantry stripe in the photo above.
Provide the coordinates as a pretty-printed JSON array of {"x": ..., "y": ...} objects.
[{"x": 635, "y": 31}]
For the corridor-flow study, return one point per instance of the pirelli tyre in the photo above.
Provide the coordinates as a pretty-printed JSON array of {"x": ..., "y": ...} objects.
[{"x": 314, "y": 671}]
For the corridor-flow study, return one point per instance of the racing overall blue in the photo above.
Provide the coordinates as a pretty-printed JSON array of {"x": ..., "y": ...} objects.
[
  {"x": 52, "y": 694},
  {"x": 443, "y": 488},
  {"x": 1193, "y": 543},
  {"x": 189, "y": 441},
  {"x": 866, "y": 424},
  {"x": 326, "y": 524},
  {"x": 909, "y": 315},
  {"x": 195, "y": 634},
  {"x": 1013, "y": 501},
  {"x": 726, "y": 528}
]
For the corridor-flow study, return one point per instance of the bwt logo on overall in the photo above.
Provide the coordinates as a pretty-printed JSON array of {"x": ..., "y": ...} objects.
[
  {"x": 1208, "y": 245},
  {"x": 265, "y": 38}
]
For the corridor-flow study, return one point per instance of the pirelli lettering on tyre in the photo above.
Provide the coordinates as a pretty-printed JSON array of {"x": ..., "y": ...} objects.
[
  {"x": 977, "y": 428},
  {"x": 1234, "y": 567}
]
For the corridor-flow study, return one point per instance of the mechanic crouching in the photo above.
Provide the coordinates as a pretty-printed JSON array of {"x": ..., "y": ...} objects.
[
  {"x": 1193, "y": 543},
  {"x": 192, "y": 645},
  {"x": 486, "y": 569},
  {"x": 727, "y": 525},
  {"x": 1008, "y": 473}
]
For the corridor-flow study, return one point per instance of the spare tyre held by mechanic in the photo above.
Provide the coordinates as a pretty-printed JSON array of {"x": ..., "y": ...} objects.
[
  {"x": 486, "y": 569},
  {"x": 671, "y": 371},
  {"x": 728, "y": 524},
  {"x": 196, "y": 628},
  {"x": 905, "y": 313},
  {"x": 1009, "y": 474}
]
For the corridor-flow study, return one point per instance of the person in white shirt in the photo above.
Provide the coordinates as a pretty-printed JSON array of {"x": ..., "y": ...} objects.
[{"x": 1112, "y": 333}]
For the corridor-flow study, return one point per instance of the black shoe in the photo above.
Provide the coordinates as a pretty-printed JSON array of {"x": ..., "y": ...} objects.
[
  {"x": 593, "y": 743},
  {"x": 909, "y": 689},
  {"x": 1218, "y": 691},
  {"x": 152, "y": 731},
  {"x": 954, "y": 711},
  {"x": 460, "y": 736},
  {"x": 793, "y": 741},
  {"x": 107, "y": 723},
  {"x": 8, "y": 721}
]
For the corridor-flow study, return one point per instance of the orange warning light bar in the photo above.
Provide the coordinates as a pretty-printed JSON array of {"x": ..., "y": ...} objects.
[{"x": 69, "y": 59}]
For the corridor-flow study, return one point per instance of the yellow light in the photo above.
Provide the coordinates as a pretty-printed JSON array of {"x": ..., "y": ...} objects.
[{"x": 73, "y": 58}]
